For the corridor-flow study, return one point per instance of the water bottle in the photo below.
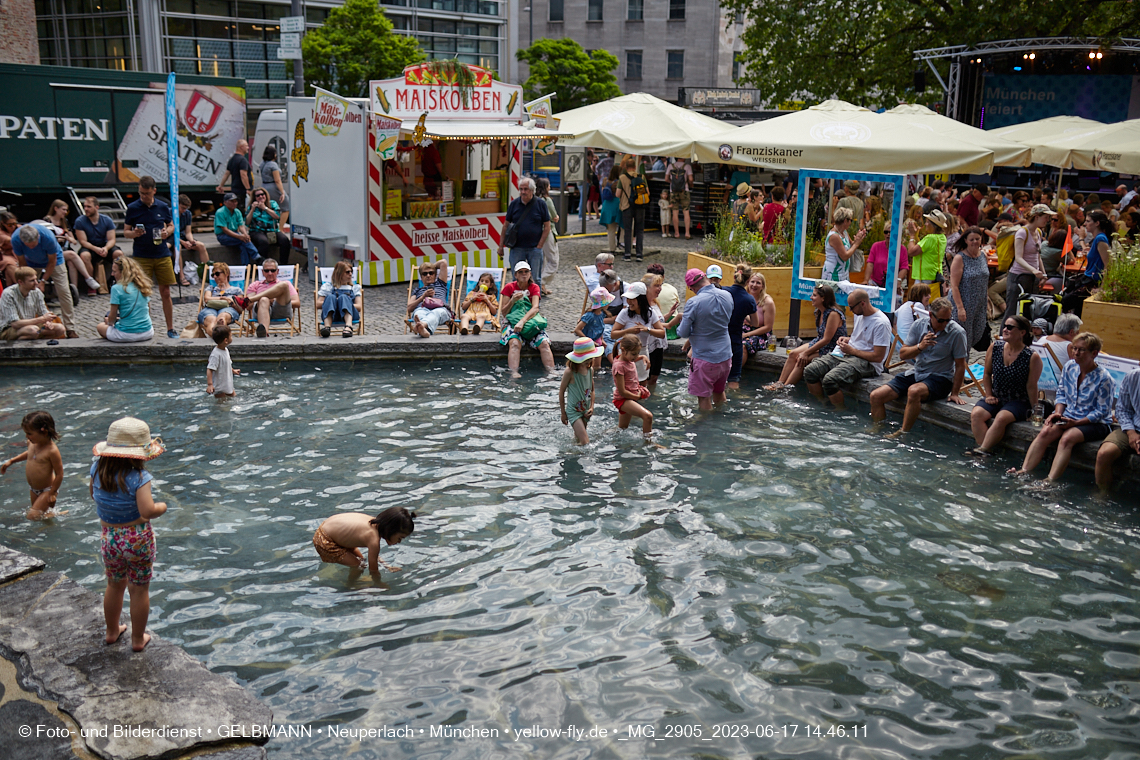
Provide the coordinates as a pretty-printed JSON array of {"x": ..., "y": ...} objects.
[{"x": 1039, "y": 410}]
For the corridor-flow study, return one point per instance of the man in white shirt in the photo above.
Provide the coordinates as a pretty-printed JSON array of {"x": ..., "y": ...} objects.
[
  {"x": 860, "y": 356},
  {"x": 1126, "y": 196}
]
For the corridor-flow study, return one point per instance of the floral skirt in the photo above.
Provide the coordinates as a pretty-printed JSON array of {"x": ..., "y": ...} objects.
[{"x": 758, "y": 343}]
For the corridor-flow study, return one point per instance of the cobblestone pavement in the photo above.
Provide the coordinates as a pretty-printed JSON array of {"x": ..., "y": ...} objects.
[{"x": 385, "y": 305}]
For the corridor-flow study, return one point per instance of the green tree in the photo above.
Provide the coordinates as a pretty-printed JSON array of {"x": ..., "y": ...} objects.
[
  {"x": 576, "y": 77},
  {"x": 862, "y": 50},
  {"x": 356, "y": 44}
]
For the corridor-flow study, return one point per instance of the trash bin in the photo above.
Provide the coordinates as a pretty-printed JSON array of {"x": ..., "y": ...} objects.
[{"x": 325, "y": 250}]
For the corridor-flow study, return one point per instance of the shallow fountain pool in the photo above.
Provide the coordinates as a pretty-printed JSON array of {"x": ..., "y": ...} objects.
[{"x": 775, "y": 581}]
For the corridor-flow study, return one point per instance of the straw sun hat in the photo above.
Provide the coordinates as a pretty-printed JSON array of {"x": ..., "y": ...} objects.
[
  {"x": 129, "y": 438},
  {"x": 937, "y": 218},
  {"x": 743, "y": 189}
]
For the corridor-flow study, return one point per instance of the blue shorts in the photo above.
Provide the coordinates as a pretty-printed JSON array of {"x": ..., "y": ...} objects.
[
  {"x": 939, "y": 387},
  {"x": 1019, "y": 409},
  {"x": 235, "y": 315}
]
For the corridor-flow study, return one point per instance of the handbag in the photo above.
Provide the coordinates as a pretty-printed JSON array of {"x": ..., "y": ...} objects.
[
  {"x": 534, "y": 325},
  {"x": 432, "y": 303},
  {"x": 510, "y": 235},
  {"x": 271, "y": 237},
  {"x": 217, "y": 303}
]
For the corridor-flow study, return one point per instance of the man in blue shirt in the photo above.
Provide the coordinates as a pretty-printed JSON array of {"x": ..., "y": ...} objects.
[
  {"x": 938, "y": 345},
  {"x": 705, "y": 324},
  {"x": 532, "y": 219},
  {"x": 1126, "y": 440},
  {"x": 149, "y": 223},
  {"x": 35, "y": 246},
  {"x": 96, "y": 235}
]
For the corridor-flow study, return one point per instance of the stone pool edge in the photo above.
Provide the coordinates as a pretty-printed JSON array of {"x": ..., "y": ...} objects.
[{"x": 51, "y": 630}]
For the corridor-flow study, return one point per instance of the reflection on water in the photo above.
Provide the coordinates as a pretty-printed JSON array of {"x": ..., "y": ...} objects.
[{"x": 776, "y": 581}]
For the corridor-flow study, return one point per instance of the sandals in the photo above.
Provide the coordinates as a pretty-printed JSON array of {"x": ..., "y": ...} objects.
[
  {"x": 978, "y": 452},
  {"x": 326, "y": 331},
  {"x": 346, "y": 332},
  {"x": 476, "y": 329}
]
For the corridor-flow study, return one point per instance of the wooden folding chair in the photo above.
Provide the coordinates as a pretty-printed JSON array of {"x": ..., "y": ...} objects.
[
  {"x": 589, "y": 275},
  {"x": 467, "y": 282},
  {"x": 890, "y": 363},
  {"x": 975, "y": 382},
  {"x": 290, "y": 325},
  {"x": 239, "y": 276},
  {"x": 324, "y": 274},
  {"x": 452, "y": 325}
]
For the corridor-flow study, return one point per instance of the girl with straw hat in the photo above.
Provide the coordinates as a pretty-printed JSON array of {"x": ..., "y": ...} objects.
[{"x": 120, "y": 486}]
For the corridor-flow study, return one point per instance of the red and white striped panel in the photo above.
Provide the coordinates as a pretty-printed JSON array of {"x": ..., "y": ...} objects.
[{"x": 397, "y": 240}]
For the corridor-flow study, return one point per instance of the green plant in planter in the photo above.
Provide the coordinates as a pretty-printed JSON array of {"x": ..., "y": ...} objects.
[
  {"x": 1120, "y": 282},
  {"x": 735, "y": 241}
]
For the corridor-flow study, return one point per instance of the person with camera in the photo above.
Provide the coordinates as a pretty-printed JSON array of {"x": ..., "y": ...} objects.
[{"x": 264, "y": 220}]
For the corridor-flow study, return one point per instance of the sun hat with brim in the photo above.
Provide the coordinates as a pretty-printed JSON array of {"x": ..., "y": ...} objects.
[
  {"x": 584, "y": 349},
  {"x": 129, "y": 438},
  {"x": 1040, "y": 209},
  {"x": 600, "y": 298},
  {"x": 937, "y": 217},
  {"x": 743, "y": 189}
]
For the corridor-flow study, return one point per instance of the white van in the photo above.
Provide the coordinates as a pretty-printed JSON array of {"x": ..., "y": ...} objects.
[{"x": 270, "y": 130}]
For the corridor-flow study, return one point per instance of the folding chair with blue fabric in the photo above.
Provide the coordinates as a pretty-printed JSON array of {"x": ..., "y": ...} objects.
[
  {"x": 282, "y": 320},
  {"x": 238, "y": 275},
  {"x": 468, "y": 282},
  {"x": 589, "y": 275},
  {"x": 449, "y": 322},
  {"x": 324, "y": 275}
]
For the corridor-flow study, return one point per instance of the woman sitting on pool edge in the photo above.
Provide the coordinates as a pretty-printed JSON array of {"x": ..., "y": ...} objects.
[
  {"x": 518, "y": 313},
  {"x": 1012, "y": 370}
]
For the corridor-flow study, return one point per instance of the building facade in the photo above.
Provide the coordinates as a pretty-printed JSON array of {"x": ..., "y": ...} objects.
[
  {"x": 240, "y": 38},
  {"x": 18, "y": 32},
  {"x": 661, "y": 45}
]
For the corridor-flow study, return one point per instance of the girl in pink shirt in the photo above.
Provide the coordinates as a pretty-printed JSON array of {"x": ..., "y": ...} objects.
[{"x": 627, "y": 390}]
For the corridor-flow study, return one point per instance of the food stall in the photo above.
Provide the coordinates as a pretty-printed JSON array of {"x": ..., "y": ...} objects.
[{"x": 422, "y": 170}]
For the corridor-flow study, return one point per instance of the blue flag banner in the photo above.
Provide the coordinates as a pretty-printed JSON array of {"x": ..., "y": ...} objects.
[{"x": 172, "y": 166}]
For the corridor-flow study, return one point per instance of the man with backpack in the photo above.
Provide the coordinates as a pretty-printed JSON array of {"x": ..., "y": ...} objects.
[
  {"x": 680, "y": 179},
  {"x": 633, "y": 192}
]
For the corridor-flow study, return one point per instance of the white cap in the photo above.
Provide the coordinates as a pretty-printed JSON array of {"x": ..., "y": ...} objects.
[
  {"x": 522, "y": 265},
  {"x": 713, "y": 271},
  {"x": 634, "y": 290}
]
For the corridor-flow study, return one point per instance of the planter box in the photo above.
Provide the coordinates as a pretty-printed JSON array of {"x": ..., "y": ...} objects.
[
  {"x": 779, "y": 280},
  {"x": 1117, "y": 324}
]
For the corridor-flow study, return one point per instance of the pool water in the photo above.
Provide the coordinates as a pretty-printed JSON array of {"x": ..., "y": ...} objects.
[{"x": 775, "y": 581}]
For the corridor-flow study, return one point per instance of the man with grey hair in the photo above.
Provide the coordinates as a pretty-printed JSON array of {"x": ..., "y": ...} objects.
[
  {"x": 938, "y": 345},
  {"x": 531, "y": 222},
  {"x": 852, "y": 201},
  {"x": 854, "y": 358},
  {"x": 36, "y": 247}
]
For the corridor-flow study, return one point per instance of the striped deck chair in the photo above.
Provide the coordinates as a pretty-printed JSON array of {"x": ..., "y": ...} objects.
[
  {"x": 238, "y": 277},
  {"x": 452, "y": 325},
  {"x": 290, "y": 325},
  {"x": 324, "y": 274},
  {"x": 469, "y": 280}
]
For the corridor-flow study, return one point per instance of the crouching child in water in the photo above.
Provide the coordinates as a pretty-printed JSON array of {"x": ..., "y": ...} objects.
[
  {"x": 339, "y": 539},
  {"x": 44, "y": 468}
]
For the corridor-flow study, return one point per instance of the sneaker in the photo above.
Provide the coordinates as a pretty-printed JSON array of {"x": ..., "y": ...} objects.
[
  {"x": 261, "y": 331},
  {"x": 91, "y": 292},
  {"x": 639, "y": 257},
  {"x": 93, "y": 284},
  {"x": 626, "y": 257},
  {"x": 664, "y": 234},
  {"x": 172, "y": 334}
]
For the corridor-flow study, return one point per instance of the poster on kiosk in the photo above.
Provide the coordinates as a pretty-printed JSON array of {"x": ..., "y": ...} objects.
[{"x": 421, "y": 170}]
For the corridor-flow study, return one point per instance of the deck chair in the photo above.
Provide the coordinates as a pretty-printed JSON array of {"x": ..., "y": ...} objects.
[
  {"x": 589, "y": 275},
  {"x": 324, "y": 274},
  {"x": 467, "y": 282},
  {"x": 238, "y": 277},
  {"x": 452, "y": 325},
  {"x": 290, "y": 325},
  {"x": 975, "y": 380},
  {"x": 891, "y": 362}
]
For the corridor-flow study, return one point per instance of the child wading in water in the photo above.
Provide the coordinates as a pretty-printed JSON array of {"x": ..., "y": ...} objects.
[
  {"x": 576, "y": 394},
  {"x": 627, "y": 390},
  {"x": 340, "y": 537},
  {"x": 44, "y": 468},
  {"x": 480, "y": 305},
  {"x": 220, "y": 370},
  {"x": 120, "y": 486}
]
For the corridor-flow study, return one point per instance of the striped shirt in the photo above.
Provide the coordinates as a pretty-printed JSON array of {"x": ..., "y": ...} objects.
[{"x": 14, "y": 306}]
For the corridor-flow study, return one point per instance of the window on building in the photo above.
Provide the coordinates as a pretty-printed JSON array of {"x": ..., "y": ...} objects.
[
  {"x": 633, "y": 64},
  {"x": 213, "y": 8},
  {"x": 676, "y": 10},
  {"x": 736, "y": 67},
  {"x": 594, "y": 10},
  {"x": 636, "y": 10},
  {"x": 556, "y": 12},
  {"x": 676, "y": 64}
]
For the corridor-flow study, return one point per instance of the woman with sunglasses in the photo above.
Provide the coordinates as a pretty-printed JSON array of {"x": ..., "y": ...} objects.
[
  {"x": 1010, "y": 384},
  {"x": 219, "y": 304},
  {"x": 264, "y": 221}
]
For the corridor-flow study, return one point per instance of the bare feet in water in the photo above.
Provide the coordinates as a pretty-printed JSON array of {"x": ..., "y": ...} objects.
[{"x": 895, "y": 435}]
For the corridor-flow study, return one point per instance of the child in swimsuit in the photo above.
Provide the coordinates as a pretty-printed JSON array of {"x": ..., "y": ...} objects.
[
  {"x": 44, "y": 468},
  {"x": 340, "y": 537},
  {"x": 627, "y": 390},
  {"x": 576, "y": 394}
]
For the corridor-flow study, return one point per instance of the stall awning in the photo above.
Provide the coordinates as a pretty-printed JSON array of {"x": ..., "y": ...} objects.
[{"x": 447, "y": 129}]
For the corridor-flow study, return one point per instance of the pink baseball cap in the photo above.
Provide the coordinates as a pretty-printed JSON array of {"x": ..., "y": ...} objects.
[{"x": 693, "y": 276}]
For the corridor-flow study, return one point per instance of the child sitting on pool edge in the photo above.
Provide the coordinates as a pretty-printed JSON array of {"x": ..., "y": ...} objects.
[{"x": 339, "y": 538}]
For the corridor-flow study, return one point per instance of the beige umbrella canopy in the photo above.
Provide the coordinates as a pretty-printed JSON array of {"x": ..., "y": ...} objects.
[
  {"x": 838, "y": 136},
  {"x": 1006, "y": 152},
  {"x": 1097, "y": 147},
  {"x": 1033, "y": 133},
  {"x": 640, "y": 124}
]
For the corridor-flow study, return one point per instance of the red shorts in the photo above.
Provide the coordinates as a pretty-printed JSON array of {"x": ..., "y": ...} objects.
[{"x": 620, "y": 402}]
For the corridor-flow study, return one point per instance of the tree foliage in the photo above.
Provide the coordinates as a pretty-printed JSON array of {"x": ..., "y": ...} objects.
[
  {"x": 862, "y": 50},
  {"x": 576, "y": 77},
  {"x": 356, "y": 44}
]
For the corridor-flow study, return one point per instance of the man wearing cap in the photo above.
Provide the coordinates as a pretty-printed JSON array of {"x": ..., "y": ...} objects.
[
  {"x": 149, "y": 222},
  {"x": 230, "y": 229},
  {"x": 714, "y": 275},
  {"x": 1026, "y": 271},
  {"x": 705, "y": 324},
  {"x": 36, "y": 247},
  {"x": 926, "y": 255}
]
